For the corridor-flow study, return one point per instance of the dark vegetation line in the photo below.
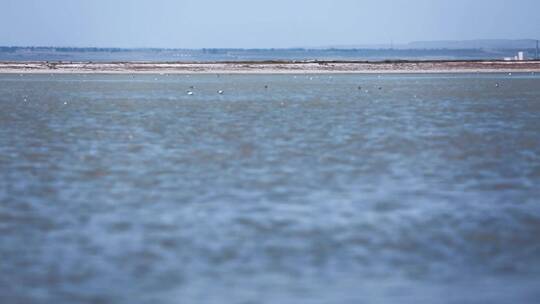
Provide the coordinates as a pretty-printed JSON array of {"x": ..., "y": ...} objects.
[{"x": 270, "y": 62}]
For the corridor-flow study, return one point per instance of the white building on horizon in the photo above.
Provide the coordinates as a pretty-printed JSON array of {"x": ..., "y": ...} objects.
[{"x": 519, "y": 57}]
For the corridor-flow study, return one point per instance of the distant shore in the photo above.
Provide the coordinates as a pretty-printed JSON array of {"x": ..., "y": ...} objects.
[{"x": 270, "y": 67}]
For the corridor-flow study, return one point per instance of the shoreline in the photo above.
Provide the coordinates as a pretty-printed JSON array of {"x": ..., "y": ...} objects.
[{"x": 270, "y": 67}]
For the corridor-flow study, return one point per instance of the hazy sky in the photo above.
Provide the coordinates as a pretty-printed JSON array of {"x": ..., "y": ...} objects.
[{"x": 260, "y": 23}]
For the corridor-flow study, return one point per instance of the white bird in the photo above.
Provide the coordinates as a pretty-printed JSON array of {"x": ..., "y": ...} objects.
[
  {"x": 190, "y": 93},
  {"x": 220, "y": 92}
]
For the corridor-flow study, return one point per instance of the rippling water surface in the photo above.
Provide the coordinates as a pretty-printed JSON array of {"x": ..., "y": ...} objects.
[{"x": 313, "y": 189}]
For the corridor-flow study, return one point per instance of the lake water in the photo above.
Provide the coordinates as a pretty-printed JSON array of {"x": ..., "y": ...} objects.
[
  {"x": 206, "y": 55},
  {"x": 283, "y": 189}
]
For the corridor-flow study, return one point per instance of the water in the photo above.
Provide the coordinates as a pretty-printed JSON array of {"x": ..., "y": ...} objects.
[
  {"x": 206, "y": 55},
  {"x": 412, "y": 189}
]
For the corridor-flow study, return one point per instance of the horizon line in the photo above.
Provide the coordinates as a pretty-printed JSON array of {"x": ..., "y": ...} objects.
[{"x": 367, "y": 46}]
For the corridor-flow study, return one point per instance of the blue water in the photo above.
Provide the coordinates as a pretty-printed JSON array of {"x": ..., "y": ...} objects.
[
  {"x": 206, "y": 55},
  {"x": 285, "y": 189}
]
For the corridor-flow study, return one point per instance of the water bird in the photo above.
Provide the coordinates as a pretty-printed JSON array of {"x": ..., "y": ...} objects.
[
  {"x": 497, "y": 85},
  {"x": 190, "y": 93},
  {"x": 359, "y": 87},
  {"x": 266, "y": 86},
  {"x": 220, "y": 92},
  {"x": 380, "y": 88}
]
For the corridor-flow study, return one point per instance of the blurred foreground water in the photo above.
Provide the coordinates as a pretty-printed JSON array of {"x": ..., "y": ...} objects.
[{"x": 283, "y": 189}]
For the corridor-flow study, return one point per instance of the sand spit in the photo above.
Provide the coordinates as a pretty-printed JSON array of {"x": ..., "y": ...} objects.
[{"x": 273, "y": 67}]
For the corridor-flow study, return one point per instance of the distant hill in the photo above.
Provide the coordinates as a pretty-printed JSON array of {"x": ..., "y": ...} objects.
[
  {"x": 486, "y": 44},
  {"x": 473, "y": 44}
]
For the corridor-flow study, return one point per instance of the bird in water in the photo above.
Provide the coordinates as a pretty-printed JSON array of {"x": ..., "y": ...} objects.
[
  {"x": 189, "y": 93},
  {"x": 220, "y": 92}
]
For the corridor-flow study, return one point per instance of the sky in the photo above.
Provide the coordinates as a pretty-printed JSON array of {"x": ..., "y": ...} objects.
[{"x": 260, "y": 23}]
